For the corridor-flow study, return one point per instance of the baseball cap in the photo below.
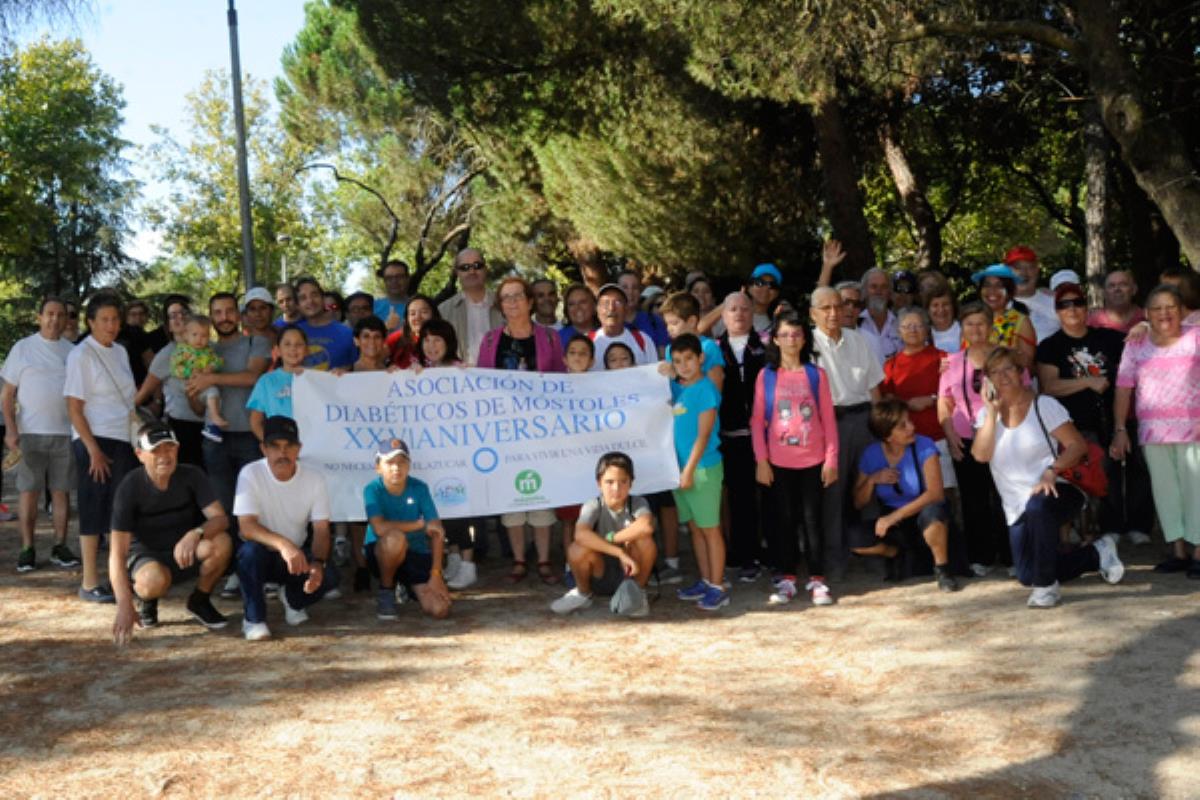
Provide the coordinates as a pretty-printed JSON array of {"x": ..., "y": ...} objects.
[
  {"x": 280, "y": 427},
  {"x": 610, "y": 287},
  {"x": 904, "y": 282},
  {"x": 257, "y": 293},
  {"x": 651, "y": 291},
  {"x": 1064, "y": 276},
  {"x": 995, "y": 271},
  {"x": 767, "y": 269},
  {"x": 154, "y": 435},
  {"x": 397, "y": 447},
  {"x": 1020, "y": 253}
]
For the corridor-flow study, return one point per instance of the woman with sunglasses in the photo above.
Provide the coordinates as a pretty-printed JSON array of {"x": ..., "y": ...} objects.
[
  {"x": 959, "y": 401},
  {"x": 1011, "y": 326},
  {"x": 1026, "y": 440}
]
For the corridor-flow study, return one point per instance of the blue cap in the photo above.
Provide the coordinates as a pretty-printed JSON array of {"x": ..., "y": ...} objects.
[
  {"x": 995, "y": 271},
  {"x": 767, "y": 269}
]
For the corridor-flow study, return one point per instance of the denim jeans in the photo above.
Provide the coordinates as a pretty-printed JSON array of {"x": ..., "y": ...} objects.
[
  {"x": 258, "y": 565},
  {"x": 1034, "y": 539}
]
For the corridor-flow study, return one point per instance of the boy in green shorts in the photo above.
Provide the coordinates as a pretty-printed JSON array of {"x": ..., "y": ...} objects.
[{"x": 695, "y": 401}]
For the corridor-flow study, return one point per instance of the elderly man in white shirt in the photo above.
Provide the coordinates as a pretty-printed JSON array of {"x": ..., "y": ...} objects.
[
  {"x": 854, "y": 374},
  {"x": 877, "y": 322}
]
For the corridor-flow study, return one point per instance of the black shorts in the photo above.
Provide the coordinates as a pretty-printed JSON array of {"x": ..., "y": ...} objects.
[
  {"x": 906, "y": 534},
  {"x": 660, "y": 500},
  {"x": 413, "y": 571},
  {"x": 138, "y": 558},
  {"x": 611, "y": 578},
  {"x": 95, "y": 500}
]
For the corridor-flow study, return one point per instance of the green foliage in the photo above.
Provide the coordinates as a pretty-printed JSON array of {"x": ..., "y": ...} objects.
[{"x": 64, "y": 197}]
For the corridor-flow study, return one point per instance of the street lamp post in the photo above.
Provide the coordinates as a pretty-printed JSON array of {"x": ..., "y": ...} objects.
[
  {"x": 284, "y": 240},
  {"x": 239, "y": 118}
]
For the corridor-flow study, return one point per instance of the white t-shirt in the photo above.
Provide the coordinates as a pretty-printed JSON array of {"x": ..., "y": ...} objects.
[
  {"x": 949, "y": 340},
  {"x": 851, "y": 365},
  {"x": 885, "y": 341},
  {"x": 479, "y": 320},
  {"x": 107, "y": 394},
  {"x": 1042, "y": 313},
  {"x": 644, "y": 353},
  {"x": 282, "y": 507},
  {"x": 1022, "y": 454},
  {"x": 38, "y": 368}
]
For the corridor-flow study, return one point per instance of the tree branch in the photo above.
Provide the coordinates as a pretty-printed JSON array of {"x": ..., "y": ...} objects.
[
  {"x": 340, "y": 178},
  {"x": 997, "y": 29}
]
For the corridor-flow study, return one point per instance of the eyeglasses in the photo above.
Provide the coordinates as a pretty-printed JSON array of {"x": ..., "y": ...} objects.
[
  {"x": 828, "y": 308},
  {"x": 765, "y": 282},
  {"x": 1070, "y": 302},
  {"x": 470, "y": 266},
  {"x": 1163, "y": 309},
  {"x": 912, "y": 326},
  {"x": 512, "y": 297}
]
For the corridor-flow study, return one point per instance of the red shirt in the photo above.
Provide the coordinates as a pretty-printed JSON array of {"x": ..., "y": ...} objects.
[
  {"x": 1101, "y": 318},
  {"x": 917, "y": 375}
]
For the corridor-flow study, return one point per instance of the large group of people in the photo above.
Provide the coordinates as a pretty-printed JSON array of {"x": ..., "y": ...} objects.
[{"x": 874, "y": 419}]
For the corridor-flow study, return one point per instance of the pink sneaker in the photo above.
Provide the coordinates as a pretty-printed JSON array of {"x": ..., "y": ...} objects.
[{"x": 821, "y": 596}]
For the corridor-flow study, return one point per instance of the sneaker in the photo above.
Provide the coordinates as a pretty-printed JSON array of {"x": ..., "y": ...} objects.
[
  {"x": 454, "y": 562},
  {"x": 61, "y": 556},
  {"x": 694, "y": 592},
  {"x": 27, "y": 560},
  {"x": 669, "y": 574},
  {"x": 465, "y": 577},
  {"x": 401, "y": 594},
  {"x": 945, "y": 580},
  {"x": 980, "y": 570},
  {"x": 642, "y": 609},
  {"x": 202, "y": 610},
  {"x": 573, "y": 600},
  {"x": 1012, "y": 572},
  {"x": 362, "y": 580},
  {"x": 341, "y": 551},
  {"x": 333, "y": 594},
  {"x": 713, "y": 599},
  {"x": 1045, "y": 596},
  {"x": 1137, "y": 538},
  {"x": 232, "y": 587},
  {"x": 821, "y": 596},
  {"x": 147, "y": 611},
  {"x": 255, "y": 631},
  {"x": 97, "y": 594},
  {"x": 212, "y": 433},
  {"x": 749, "y": 574},
  {"x": 271, "y": 589},
  {"x": 1174, "y": 564},
  {"x": 1111, "y": 568},
  {"x": 293, "y": 616},
  {"x": 385, "y": 604},
  {"x": 785, "y": 590}
]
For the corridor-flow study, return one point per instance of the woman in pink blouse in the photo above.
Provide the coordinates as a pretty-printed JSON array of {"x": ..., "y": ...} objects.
[
  {"x": 1165, "y": 369},
  {"x": 794, "y": 433}
]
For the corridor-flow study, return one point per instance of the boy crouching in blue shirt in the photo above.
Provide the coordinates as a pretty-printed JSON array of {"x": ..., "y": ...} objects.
[{"x": 404, "y": 536}]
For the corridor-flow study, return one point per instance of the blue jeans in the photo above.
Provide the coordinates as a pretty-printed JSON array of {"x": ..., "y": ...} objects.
[
  {"x": 1034, "y": 540},
  {"x": 258, "y": 565},
  {"x": 223, "y": 461}
]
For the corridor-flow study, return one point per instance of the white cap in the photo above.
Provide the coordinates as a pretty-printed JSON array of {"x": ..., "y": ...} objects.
[
  {"x": 257, "y": 293},
  {"x": 1064, "y": 276}
]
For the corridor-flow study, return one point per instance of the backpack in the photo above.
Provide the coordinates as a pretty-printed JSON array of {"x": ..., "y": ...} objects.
[{"x": 771, "y": 377}]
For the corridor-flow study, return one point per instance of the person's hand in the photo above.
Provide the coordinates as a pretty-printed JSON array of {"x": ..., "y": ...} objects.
[
  {"x": 185, "y": 548},
  {"x": 1119, "y": 447},
  {"x": 886, "y": 476},
  {"x": 991, "y": 398},
  {"x": 338, "y": 372},
  {"x": 123, "y": 623},
  {"x": 921, "y": 402},
  {"x": 883, "y": 525},
  {"x": 828, "y": 475},
  {"x": 12, "y": 439},
  {"x": 686, "y": 479},
  {"x": 293, "y": 556},
  {"x": 393, "y": 320},
  {"x": 436, "y": 586},
  {"x": 1048, "y": 484},
  {"x": 954, "y": 444},
  {"x": 1138, "y": 332},
  {"x": 832, "y": 254},
  {"x": 666, "y": 368},
  {"x": 99, "y": 465},
  {"x": 415, "y": 367},
  {"x": 1098, "y": 384},
  {"x": 628, "y": 565},
  {"x": 198, "y": 383},
  {"x": 316, "y": 574},
  {"x": 764, "y": 474}
]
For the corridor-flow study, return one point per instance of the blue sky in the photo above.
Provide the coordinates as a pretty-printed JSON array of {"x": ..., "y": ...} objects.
[{"x": 158, "y": 50}]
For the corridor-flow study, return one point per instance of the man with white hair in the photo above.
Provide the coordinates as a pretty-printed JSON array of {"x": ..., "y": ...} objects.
[{"x": 877, "y": 322}]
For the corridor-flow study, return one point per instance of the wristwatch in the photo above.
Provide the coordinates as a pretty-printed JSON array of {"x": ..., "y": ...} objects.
[{"x": 610, "y": 537}]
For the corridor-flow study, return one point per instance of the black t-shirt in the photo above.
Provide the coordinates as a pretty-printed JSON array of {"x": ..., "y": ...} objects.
[
  {"x": 1096, "y": 353},
  {"x": 135, "y": 341},
  {"x": 157, "y": 339},
  {"x": 516, "y": 354},
  {"x": 158, "y": 520}
]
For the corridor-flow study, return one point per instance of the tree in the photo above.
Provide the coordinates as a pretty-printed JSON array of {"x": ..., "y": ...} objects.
[{"x": 64, "y": 194}]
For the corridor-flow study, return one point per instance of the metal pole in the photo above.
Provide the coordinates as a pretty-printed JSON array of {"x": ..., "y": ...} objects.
[
  {"x": 284, "y": 240},
  {"x": 239, "y": 119}
]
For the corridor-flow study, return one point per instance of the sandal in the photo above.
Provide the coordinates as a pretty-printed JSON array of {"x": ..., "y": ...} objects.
[
  {"x": 547, "y": 574},
  {"x": 519, "y": 571}
]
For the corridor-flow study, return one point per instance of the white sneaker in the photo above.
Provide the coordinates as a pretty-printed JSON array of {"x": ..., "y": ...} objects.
[
  {"x": 232, "y": 587},
  {"x": 454, "y": 562},
  {"x": 255, "y": 631},
  {"x": 573, "y": 600},
  {"x": 465, "y": 576},
  {"x": 1137, "y": 538},
  {"x": 1045, "y": 596},
  {"x": 333, "y": 594},
  {"x": 294, "y": 616},
  {"x": 821, "y": 596},
  {"x": 1012, "y": 572},
  {"x": 785, "y": 590},
  {"x": 979, "y": 570},
  {"x": 341, "y": 551},
  {"x": 1111, "y": 568},
  {"x": 643, "y": 609}
]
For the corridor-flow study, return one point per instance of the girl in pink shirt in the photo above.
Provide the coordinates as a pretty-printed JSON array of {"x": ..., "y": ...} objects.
[{"x": 796, "y": 447}]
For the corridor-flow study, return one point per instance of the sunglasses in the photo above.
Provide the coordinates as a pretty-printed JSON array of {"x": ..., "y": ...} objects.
[
  {"x": 474, "y": 265},
  {"x": 977, "y": 381},
  {"x": 764, "y": 282},
  {"x": 1071, "y": 302}
]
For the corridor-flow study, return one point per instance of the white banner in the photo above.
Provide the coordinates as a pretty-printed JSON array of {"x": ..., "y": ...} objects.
[{"x": 486, "y": 441}]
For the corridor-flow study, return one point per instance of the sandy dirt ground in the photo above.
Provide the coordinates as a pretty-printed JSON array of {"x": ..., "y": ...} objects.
[{"x": 893, "y": 692}]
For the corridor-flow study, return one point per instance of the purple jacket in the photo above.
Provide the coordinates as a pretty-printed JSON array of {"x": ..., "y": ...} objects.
[{"x": 545, "y": 341}]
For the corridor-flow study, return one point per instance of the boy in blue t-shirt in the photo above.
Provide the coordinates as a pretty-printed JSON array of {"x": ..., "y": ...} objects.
[
  {"x": 695, "y": 401},
  {"x": 404, "y": 535},
  {"x": 681, "y": 313}
]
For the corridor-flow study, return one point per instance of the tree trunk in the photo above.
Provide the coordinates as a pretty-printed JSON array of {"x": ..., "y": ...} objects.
[
  {"x": 911, "y": 188},
  {"x": 1150, "y": 145},
  {"x": 1095, "y": 145},
  {"x": 842, "y": 198}
]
